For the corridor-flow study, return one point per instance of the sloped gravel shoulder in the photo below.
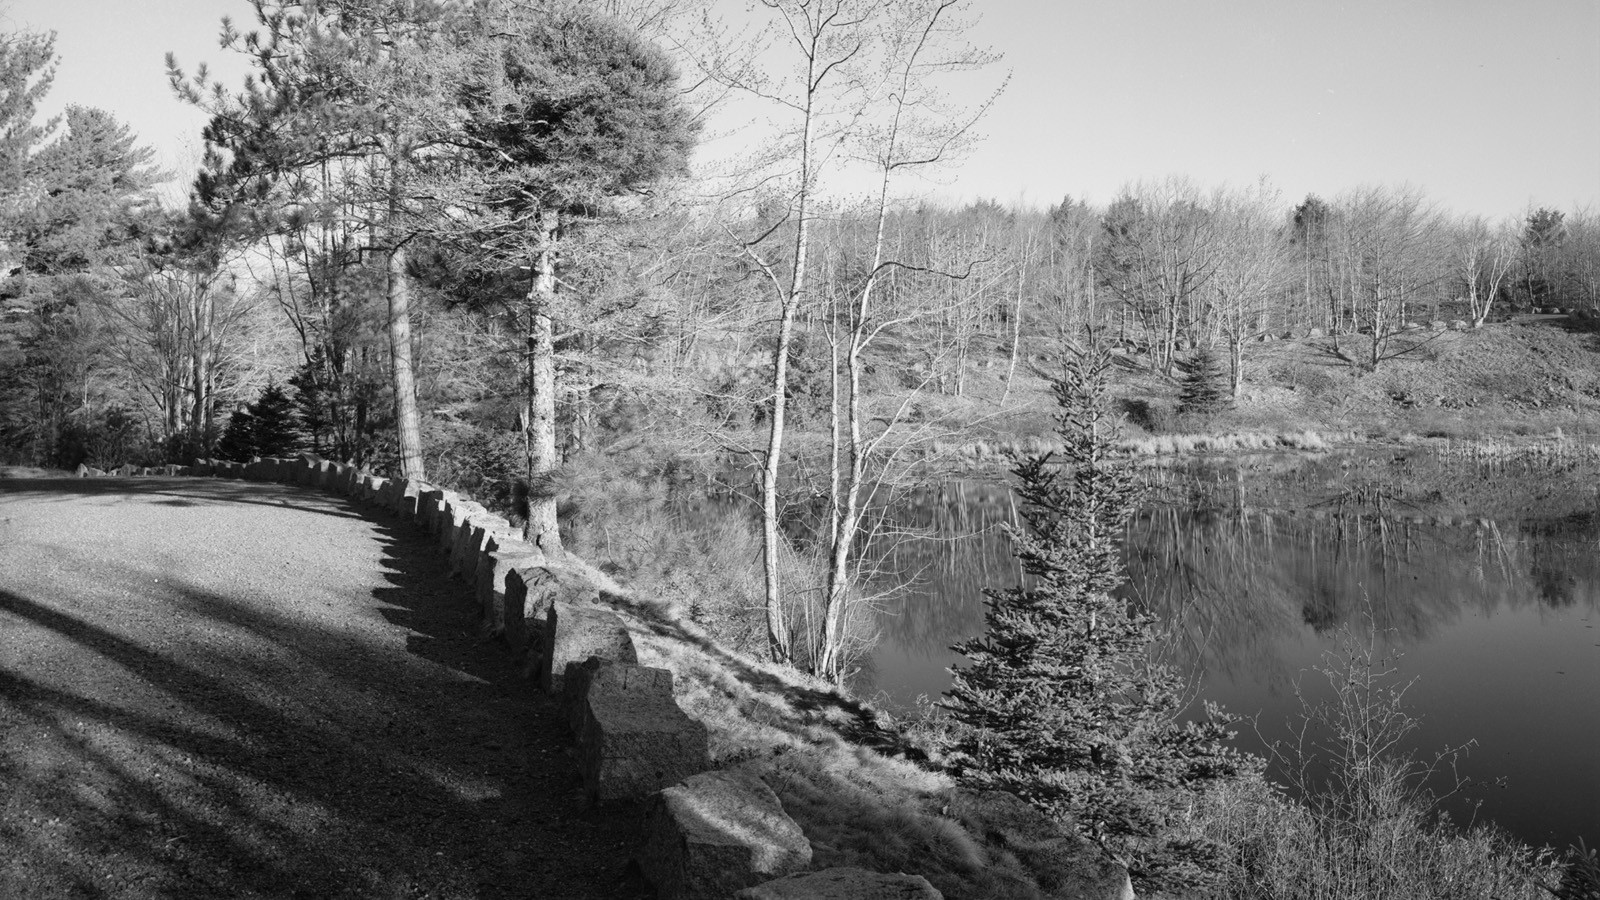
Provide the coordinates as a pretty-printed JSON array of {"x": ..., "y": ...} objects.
[{"x": 227, "y": 689}]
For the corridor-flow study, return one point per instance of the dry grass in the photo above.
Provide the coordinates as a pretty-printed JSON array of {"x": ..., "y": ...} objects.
[
  {"x": 1183, "y": 444},
  {"x": 1307, "y": 440},
  {"x": 704, "y": 556},
  {"x": 1282, "y": 849},
  {"x": 1556, "y": 451}
]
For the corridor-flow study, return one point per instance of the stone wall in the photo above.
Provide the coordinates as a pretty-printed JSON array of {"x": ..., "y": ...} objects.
[{"x": 712, "y": 833}]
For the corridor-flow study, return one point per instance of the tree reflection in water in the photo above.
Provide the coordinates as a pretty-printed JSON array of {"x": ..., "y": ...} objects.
[
  {"x": 1239, "y": 559},
  {"x": 1487, "y": 577}
]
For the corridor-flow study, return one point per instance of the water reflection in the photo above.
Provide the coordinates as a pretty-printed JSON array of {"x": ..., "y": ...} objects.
[
  {"x": 1239, "y": 584},
  {"x": 1487, "y": 579}
]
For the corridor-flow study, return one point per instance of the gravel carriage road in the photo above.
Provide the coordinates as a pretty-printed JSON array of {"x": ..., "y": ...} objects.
[{"x": 225, "y": 689}]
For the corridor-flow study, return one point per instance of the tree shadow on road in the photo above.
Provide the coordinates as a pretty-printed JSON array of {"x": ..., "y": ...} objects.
[
  {"x": 230, "y": 749},
  {"x": 181, "y": 492}
]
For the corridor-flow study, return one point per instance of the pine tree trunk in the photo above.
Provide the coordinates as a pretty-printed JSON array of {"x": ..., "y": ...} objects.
[
  {"x": 408, "y": 422},
  {"x": 542, "y": 528},
  {"x": 407, "y": 419}
]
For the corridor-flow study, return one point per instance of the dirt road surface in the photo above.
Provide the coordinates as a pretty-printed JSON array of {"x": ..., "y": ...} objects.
[{"x": 226, "y": 689}]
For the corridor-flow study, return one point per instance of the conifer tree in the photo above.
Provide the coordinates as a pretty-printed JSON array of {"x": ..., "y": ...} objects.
[
  {"x": 1205, "y": 387},
  {"x": 364, "y": 89},
  {"x": 268, "y": 427},
  {"x": 71, "y": 204},
  {"x": 569, "y": 112},
  {"x": 1060, "y": 702}
]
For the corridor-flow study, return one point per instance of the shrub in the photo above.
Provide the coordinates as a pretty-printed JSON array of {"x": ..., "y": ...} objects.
[
  {"x": 1152, "y": 418},
  {"x": 1581, "y": 878},
  {"x": 479, "y": 461},
  {"x": 103, "y": 439}
]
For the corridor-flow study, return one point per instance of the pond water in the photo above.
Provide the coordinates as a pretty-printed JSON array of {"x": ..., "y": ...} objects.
[{"x": 1483, "y": 578}]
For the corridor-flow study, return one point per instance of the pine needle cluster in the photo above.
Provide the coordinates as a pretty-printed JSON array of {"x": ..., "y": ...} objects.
[{"x": 1060, "y": 701}]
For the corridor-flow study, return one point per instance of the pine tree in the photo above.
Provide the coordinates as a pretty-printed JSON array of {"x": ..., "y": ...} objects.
[
  {"x": 312, "y": 399},
  {"x": 1059, "y": 701},
  {"x": 574, "y": 112},
  {"x": 268, "y": 427},
  {"x": 1205, "y": 388},
  {"x": 238, "y": 439}
]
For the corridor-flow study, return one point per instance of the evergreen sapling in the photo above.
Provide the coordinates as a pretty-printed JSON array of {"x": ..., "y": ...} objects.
[
  {"x": 1205, "y": 390},
  {"x": 1059, "y": 701}
]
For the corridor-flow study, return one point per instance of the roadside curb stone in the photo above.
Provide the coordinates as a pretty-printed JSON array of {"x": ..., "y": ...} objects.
[
  {"x": 633, "y": 738},
  {"x": 843, "y": 883},
  {"x": 573, "y": 632},
  {"x": 718, "y": 833}
]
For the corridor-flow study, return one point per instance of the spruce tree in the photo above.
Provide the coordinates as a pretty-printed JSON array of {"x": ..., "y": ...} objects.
[
  {"x": 238, "y": 439},
  {"x": 1205, "y": 388},
  {"x": 1060, "y": 702},
  {"x": 277, "y": 426},
  {"x": 268, "y": 427}
]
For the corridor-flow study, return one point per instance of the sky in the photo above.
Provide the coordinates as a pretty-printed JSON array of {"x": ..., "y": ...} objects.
[{"x": 1490, "y": 107}]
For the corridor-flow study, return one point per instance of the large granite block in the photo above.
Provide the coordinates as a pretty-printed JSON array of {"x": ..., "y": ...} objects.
[
  {"x": 843, "y": 883},
  {"x": 383, "y": 496},
  {"x": 489, "y": 588},
  {"x": 430, "y": 504},
  {"x": 403, "y": 501},
  {"x": 573, "y": 632},
  {"x": 718, "y": 833},
  {"x": 457, "y": 515},
  {"x": 632, "y": 737},
  {"x": 530, "y": 590},
  {"x": 471, "y": 538}
]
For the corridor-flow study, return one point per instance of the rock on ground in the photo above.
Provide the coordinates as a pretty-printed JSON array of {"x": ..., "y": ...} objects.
[
  {"x": 529, "y": 592},
  {"x": 843, "y": 883},
  {"x": 718, "y": 833},
  {"x": 573, "y": 632},
  {"x": 633, "y": 739}
]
